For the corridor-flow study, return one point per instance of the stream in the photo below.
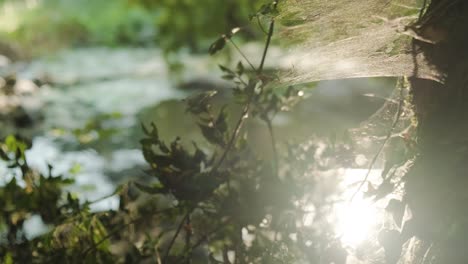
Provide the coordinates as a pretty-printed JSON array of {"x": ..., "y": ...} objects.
[
  {"x": 102, "y": 89},
  {"x": 90, "y": 115}
]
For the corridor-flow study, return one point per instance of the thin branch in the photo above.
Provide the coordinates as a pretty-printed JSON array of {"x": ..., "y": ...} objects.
[
  {"x": 119, "y": 229},
  {"x": 233, "y": 138},
  {"x": 117, "y": 191},
  {"x": 246, "y": 109},
  {"x": 242, "y": 54},
  {"x": 267, "y": 44},
  {"x": 205, "y": 237},
  {"x": 188, "y": 237},
  {"x": 389, "y": 134},
  {"x": 179, "y": 228},
  {"x": 240, "y": 79},
  {"x": 225, "y": 255}
]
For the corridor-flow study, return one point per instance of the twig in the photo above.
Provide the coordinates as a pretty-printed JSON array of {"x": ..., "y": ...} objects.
[
  {"x": 267, "y": 44},
  {"x": 389, "y": 134},
  {"x": 225, "y": 255},
  {"x": 240, "y": 79},
  {"x": 205, "y": 237},
  {"x": 181, "y": 224},
  {"x": 242, "y": 54},
  {"x": 188, "y": 237},
  {"x": 246, "y": 109},
  {"x": 233, "y": 138},
  {"x": 100, "y": 199}
]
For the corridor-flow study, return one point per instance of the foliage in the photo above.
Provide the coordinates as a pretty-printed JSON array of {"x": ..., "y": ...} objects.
[
  {"x": 222, "y": 203},
  {"x": 183, "y": 24},
  {"x": 77, "y": 23},
  {"x": 217, "y": 204},
  {"x": 28, "y": 193},
  {"x": 170, "y": 25}
]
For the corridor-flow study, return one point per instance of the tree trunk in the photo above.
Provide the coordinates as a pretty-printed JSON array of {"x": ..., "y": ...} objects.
[{"x": 437, "y": 184}]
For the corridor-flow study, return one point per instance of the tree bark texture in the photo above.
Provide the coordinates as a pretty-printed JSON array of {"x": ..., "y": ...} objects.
[{"x": 436, "y": 186}]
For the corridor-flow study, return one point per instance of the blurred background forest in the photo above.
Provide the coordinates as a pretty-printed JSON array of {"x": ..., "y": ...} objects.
[{"x": 78, "y": 78}]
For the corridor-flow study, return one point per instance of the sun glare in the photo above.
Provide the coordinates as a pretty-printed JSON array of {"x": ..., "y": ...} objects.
[{"x": 356, "y": 220}]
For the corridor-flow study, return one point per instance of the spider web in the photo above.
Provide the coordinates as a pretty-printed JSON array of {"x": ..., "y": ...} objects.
[
  {"x": 338, "y": 39},
  {"x": 349, "y": 39}
]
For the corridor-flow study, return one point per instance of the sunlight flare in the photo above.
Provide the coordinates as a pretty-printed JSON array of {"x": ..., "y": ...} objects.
[{"x": 356, "y": 220}]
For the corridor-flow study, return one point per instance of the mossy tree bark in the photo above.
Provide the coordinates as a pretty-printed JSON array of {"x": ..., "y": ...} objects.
[{"x": 437, "y": 183}]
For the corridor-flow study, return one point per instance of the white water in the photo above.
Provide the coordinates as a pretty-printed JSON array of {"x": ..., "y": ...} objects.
[{"x": 123, "y": 81}]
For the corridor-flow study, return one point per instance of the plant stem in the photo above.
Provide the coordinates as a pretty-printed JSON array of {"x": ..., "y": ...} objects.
[
  {"x": 205, "y": 237},
  {"x": 242, "y": 54},
  {"x": 179, "y": 228},
  {"x": 267, "y": 44},
  {"x": 188, "y": 236},
  {"x": 233, "y": 138},
  {"x": 246, "y": 109}
]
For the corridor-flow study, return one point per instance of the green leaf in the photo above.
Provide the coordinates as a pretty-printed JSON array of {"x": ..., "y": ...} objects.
[
  {"x": 221, "y": 123},
  {"x": 10, "y": 142},
  {"x": 145, "y": 130},
  {"x": 154, "y": 134},
  {"x": 225, "y": 69},
  {"x": 8, "y": 259},
  {"x": 212, "y": 134},
  {"x": 240, "y": 68},
  {"x": 164, "y": 148},
  {"x": 75, "y": 169},
  {"x": 199, "y": 155},
  {"x": 218, "y": 45},
  {"x": 228, "y": 77},
  {"x": 3, "y": 155},
  {"x": 155, "y": 188}
]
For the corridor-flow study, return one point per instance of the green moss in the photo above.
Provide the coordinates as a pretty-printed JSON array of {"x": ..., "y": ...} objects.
[{"x": 398, "y": 46}]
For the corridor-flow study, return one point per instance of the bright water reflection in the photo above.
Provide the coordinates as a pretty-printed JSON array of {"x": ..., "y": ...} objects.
[{"x": 360, "y": 218}]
